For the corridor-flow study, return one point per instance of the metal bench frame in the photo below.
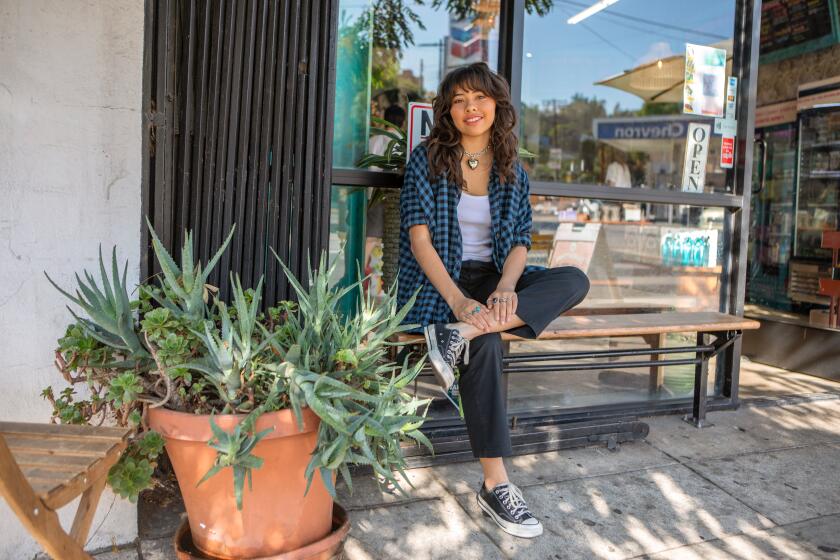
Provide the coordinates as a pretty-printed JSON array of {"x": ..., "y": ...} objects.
[
  {"x": 703, "y": 350},
  {"x": 624, "y": 427}
]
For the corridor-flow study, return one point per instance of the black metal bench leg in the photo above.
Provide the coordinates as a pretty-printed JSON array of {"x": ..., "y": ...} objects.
[{"x": 701, "y": 378}]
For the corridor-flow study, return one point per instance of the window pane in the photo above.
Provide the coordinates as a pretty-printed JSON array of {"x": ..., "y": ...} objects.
[
  {"x": 668, "y": 258},
  {"x": 602, "y": 99},
  {"x": 393, "y": 52},
  {"x": 608, "y": 385}
]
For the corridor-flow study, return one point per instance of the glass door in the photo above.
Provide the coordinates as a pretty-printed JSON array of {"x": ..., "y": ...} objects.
[
  {"x": 771, "y": 215},
  {"x": 817, "y": 201},
  {"x": 817, "y": 207}
]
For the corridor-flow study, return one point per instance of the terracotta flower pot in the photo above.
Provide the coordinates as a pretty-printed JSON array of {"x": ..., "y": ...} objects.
[
  {"x": 328, "y": 548},
  {"x": 275, "y": 515}
]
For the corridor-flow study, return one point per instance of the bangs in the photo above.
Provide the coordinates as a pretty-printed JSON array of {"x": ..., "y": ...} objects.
[{"x": 471, "y": 78}]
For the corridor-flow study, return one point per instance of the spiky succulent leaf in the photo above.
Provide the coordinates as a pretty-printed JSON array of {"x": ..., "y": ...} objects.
[{"x": 110, "y": 317}]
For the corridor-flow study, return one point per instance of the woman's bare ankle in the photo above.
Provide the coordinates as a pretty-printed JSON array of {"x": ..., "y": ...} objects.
[
  {"x": 465, "y": 329},
  {"x": 492, "y": 483}
]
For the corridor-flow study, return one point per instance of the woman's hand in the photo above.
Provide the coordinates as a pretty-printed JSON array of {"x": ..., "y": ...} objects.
[
  {"x": 465, "y": 310},
  {"x": 503, "y": 304}
]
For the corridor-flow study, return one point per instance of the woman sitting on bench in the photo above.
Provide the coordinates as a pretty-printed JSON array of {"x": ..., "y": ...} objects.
[{"x": 464, "y": 239}]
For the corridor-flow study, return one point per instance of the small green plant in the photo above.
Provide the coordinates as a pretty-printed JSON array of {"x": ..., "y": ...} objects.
[
  {"x": 234, "y": 451},
  {"x": 176, "y": 348}
]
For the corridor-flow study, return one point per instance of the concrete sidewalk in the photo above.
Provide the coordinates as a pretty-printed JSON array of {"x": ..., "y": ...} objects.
[{"x": 761, "y": 483}]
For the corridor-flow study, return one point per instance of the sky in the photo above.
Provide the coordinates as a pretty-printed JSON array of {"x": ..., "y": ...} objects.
[{"x": 561, "y": 59}]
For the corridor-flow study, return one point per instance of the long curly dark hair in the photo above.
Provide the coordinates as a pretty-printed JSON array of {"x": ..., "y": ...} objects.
[{"x": 444, "y": 142}]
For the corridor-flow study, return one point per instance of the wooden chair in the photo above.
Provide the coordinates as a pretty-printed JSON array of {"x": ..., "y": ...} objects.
[
  {"x": 43, "y": 467},
  {"x": 828, "y": 286}
]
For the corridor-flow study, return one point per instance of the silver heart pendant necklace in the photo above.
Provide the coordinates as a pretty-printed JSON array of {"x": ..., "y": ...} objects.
[{"x": 472, "y": 159}]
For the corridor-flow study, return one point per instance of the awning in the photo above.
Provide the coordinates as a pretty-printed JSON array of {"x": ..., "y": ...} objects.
[{"x": 660, "y": 81}]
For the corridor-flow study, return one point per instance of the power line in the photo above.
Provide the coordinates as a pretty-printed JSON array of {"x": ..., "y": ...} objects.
[
  {"x": 612, "y": 13},
  {"x": 655, "y": 32},
  {"x": 604, "y": 39}
]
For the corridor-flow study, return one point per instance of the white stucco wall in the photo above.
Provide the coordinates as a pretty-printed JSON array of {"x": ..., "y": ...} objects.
[{"x": 70, "y": 157}]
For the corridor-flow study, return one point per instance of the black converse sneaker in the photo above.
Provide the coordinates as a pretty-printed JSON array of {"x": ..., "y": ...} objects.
[
  {"x": 505, "y": 505},
  {"x": 445, "y": 347}
]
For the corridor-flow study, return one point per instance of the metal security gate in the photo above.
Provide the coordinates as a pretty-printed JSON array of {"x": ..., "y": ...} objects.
[{"x": 237, "y": 121}]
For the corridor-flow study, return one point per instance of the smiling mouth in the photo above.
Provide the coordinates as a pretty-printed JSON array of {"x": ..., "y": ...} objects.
[{"x": 473, "y": 120}]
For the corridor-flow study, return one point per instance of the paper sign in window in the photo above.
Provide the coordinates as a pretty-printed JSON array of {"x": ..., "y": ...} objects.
[{"x": 705, "y": 80}]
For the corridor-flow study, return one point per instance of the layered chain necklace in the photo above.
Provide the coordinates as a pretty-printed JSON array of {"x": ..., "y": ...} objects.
[{"x": 472, "y": 159}]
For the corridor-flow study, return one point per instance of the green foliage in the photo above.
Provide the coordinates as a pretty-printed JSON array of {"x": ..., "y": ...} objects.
[
  {"x": 395, "y": 152},
  {"x": 78, "y": 347},
  {"x": 110, "y": 317},
  {"x": 133, "y": 472},
  {"x": 124, "y": 389},
  {"x": 340, "y": 370},
  {"x": 234, "y": 451},
  {"x": 393, "y": 19},
  {"x": 184, "y": 287},
  {"x": 65, "y": 408},
  {"x": 172, "y": 347}
]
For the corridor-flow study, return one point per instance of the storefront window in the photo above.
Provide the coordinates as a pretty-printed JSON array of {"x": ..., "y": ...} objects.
[
  {"x": 393, "y": 52},
  {"x": 602, "y": 98},
  {"x": 608, "y": 386},
  {"x": 670, "y": 260}
]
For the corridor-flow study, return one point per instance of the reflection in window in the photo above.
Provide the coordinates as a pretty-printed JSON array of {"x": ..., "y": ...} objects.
[
  {"x": 390, "y": 53},
  {"x": 602, "y": 98},
  {"x": 393, "y": 52},
  {"x": 670, "y": 261}
]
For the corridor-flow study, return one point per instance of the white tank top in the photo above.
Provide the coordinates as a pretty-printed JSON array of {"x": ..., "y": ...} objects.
[{"x": 474, "y": 218}]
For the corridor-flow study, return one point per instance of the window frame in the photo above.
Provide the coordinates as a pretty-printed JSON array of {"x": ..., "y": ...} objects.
[{"x": 746, "y": 41}]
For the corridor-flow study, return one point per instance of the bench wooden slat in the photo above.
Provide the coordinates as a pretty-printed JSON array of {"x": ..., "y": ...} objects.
[
  {"x": 643, "y": 323},
  {"x": 58, "y": 445},
  {"x": 59, "y": 483},
  {"x": 56, "y": 478},
  {"x": 635, "y": 324},
  {"x": 63, "y": 430},
  {"x": 54, "y": 462},
  {"x": 60, "y": 465},
  {"x": 68, "y": 464}
]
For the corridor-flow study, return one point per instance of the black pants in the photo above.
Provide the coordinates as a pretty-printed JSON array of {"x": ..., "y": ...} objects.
[{"x": 542, "y": 295}]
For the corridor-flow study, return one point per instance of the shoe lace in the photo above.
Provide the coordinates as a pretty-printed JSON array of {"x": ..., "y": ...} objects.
[
  {"x": 455, "y": 348},
  {"x": 513, "y": 500}
]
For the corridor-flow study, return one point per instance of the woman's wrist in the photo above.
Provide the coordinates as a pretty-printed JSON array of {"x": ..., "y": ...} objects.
[
  {"x": 506, "y": 285},
  {"x": 453, "y": 298}
]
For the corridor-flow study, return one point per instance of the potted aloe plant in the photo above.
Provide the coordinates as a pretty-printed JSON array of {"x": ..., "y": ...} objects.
[{"x": 258, "y": 411}]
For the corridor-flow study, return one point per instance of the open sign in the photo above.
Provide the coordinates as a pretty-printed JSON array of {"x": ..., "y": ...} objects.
[{"x": 696, "y": 153}]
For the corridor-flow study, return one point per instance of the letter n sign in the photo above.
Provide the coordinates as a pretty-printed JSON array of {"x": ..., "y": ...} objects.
[
  {"x": 696, "y": 152},
  {"x": 419, "y": 123}
]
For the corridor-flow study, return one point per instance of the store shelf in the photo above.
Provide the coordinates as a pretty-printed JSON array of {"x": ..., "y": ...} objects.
[
  {"x": 821, "y": 145},
  {"x": 824, "y": 175}
]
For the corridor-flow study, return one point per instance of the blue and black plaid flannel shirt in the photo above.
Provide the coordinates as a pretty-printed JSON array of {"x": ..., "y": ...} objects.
[{"x": 435, "y": 203}]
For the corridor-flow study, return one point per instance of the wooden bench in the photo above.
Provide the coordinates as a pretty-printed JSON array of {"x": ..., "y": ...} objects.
[
  {"x": 652, "y": 327},
  {"x": 43, "y": 467}
]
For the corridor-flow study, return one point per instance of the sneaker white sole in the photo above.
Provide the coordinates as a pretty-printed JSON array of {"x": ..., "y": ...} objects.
[
  {"x": 515, "y": 529},
  {"x": 443, "y": 373}
]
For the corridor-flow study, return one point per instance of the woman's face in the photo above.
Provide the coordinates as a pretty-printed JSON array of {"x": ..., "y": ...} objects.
[{"x": 473, "y": 112}]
